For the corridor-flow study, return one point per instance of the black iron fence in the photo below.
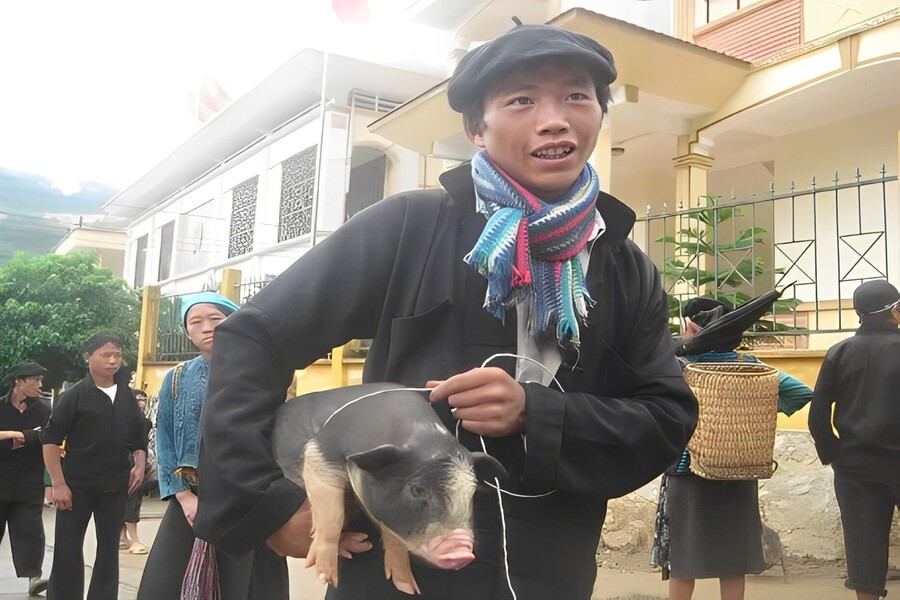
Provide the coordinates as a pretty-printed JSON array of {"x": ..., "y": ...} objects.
[
  {"x": 818, "y": 243},
  {"x": 172, "y": 343}
]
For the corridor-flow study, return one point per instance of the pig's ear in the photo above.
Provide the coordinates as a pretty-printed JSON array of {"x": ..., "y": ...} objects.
[
  {"x": 488, "y": 468},
  {"x": 376, "y": 459}
]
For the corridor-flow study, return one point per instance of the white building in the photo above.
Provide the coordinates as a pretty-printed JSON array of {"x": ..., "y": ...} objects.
[{"x": 271, "y": 175}]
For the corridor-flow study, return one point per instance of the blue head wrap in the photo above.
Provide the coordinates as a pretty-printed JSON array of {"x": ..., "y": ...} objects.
[{"x": 191, "y": 300}]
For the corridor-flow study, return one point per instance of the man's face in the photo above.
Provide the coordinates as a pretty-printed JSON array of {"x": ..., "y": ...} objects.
[
  {"x": 30, "y": 386},
  {"x": 105, "y": 360},
  {"x": 541, "y": 126}
]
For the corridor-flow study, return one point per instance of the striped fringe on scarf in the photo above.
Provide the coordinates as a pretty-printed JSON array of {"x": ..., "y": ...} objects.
[{"x": 529, "y": 249}]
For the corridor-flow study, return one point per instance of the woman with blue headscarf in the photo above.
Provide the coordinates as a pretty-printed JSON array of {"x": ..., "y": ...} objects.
[{"x": 253, "y": 575}]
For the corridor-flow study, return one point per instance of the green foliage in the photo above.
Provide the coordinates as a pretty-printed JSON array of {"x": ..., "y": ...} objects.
[
  {"x": 699, "y": 240},
  {"x": 50, "y": 304}
]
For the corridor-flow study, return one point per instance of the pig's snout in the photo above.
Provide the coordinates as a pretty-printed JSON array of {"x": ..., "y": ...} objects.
[{"x": 451, "y": 551}]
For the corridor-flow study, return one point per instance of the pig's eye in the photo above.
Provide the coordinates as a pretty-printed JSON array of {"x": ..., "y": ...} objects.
[{"x": 417, "y": 491}]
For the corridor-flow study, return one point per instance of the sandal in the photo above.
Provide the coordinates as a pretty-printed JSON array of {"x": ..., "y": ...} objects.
[
  {"x": 124, "y": 545},
  {"x": 138, "y": 548}
]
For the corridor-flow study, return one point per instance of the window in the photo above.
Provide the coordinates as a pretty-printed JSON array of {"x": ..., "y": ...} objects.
[
  {"x": 298, "y": 177},
  {"x": 166, "y": 244},
  {"x": 243, "y": 217},
  {"x": 201, "y": 237},
  {"x": 366, "y": 185},
  {"x": 707, "y": 11},
  {"x": 140, "y": 261}
]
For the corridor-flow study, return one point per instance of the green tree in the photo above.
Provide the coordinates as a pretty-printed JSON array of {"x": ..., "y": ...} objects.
[
  {"x": 50, "y": 304},
  {"x": 704, "y": 238}
]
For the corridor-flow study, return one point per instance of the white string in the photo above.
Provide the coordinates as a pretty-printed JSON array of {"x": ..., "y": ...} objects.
[
  {"x": 538, "y": 363},
  {"x": 496, "y": 486},
  {"x": 355, "y": 400}
]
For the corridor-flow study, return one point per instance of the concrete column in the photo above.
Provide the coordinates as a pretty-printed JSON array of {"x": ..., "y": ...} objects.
[
  {"x": 683, "y": 26},
  {"x": 691, "y": 178},
  {"x": 230, "y": 286},
  {"x": 338, "y": 375},
  {"x": 147, "y": 336},
  {"x": 601, "y": 158}
]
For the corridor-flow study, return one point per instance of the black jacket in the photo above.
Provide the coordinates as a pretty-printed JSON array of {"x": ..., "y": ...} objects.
[
  {"x": 860, "y": 376},
  {"x": 99, "y": 433},
  {"x": 394, "y": 273},
  {"x": 22, "y": 469}
]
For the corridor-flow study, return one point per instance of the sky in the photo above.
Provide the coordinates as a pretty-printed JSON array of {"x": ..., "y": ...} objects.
[{"x": 97, "y": 90}]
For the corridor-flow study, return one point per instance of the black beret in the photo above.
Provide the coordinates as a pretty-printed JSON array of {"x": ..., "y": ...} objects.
[
  {"x": 874, "y": 297},
  {"x": 25, "y": 369},
  {"x": 487, "y": 64}
]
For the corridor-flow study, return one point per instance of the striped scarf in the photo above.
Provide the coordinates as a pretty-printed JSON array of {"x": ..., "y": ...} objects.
[{"x": 529, "y": 248}]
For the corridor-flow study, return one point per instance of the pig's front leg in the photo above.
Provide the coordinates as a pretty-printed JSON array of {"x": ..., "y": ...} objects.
[
  {"x": 325, "y": 489},
  {"x": 396, "y": 563}
]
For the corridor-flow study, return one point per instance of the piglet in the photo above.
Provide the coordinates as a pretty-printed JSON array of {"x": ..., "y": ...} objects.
[{"x": 405, "y": 469}]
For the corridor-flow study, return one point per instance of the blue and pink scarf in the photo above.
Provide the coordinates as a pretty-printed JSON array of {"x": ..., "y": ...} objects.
[{"x": 529, "y": 248}]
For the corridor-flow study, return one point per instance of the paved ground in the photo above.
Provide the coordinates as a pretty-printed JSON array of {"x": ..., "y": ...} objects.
[{"x": 611, "y": 584}]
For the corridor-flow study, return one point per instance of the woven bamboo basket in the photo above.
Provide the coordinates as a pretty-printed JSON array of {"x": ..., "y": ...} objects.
[{"x": 735, "y": 434}]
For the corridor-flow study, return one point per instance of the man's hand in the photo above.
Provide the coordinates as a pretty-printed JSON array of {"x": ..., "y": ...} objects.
[
  {"x": 294, "y": 537},
  {"x": 188, "y": 501},
  {"x": 486, "y": 400},
  {"x": 136, "y": 477},
  {"x": 62, "y": 497},
  {"x": 352, "y": 543}
]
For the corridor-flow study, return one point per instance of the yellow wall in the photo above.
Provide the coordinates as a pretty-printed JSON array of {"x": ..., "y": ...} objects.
[
  {"x": 318, "y": 376},
  {"x": 866, "y": 141},
  {"x": 802, "y": 364}
]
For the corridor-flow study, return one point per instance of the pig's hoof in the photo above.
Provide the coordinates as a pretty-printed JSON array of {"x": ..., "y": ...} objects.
[
  {"x": 402, "y": 578},
  {"x": 327, "y": 569},
  {"x": 407, "y": 587}
]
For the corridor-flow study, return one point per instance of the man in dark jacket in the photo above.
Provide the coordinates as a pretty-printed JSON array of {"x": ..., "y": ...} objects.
[
  {"x": 564, "y": 287},
  {"x": 23, "y": 412},
  {"x": 860, "y": 377}
]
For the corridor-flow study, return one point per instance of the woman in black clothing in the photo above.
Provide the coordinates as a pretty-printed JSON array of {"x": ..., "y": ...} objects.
[{"x": 100, "y": 423}]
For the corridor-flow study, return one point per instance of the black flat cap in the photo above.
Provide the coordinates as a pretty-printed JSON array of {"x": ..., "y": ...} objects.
[
  {"x": 486, "y": 65},
  {"x": 28, "y": 368},
  {"x": 874, "y": 297},
  {"x": 724, "y": 334},
  {"x": 695, "y": 306}
]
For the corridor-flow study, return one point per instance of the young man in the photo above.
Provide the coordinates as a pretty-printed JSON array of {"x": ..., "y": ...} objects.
[
  {"x": 100, "y": 423},
  {"x": 23, "y": 412},
  {"x": 860, "y": 377},
  {"x": 564, "y": 286}
]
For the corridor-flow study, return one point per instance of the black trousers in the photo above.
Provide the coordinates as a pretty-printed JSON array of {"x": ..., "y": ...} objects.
[
  {"x": 26, "y": 533},
  {"x": 867, "y": 509},
  {"x": 107, "y": 506},
  {"x": 256, "y": 575}
]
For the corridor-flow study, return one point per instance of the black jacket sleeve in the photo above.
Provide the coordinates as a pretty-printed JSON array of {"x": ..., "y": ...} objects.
[
  {"x": 61, "y": 417},
  {"x": 827, "y": 443},
  {"x": 333, "y": 294}
]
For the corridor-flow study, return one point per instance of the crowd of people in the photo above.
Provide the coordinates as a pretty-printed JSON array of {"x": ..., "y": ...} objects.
[{"x": 520, "y": 254}]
